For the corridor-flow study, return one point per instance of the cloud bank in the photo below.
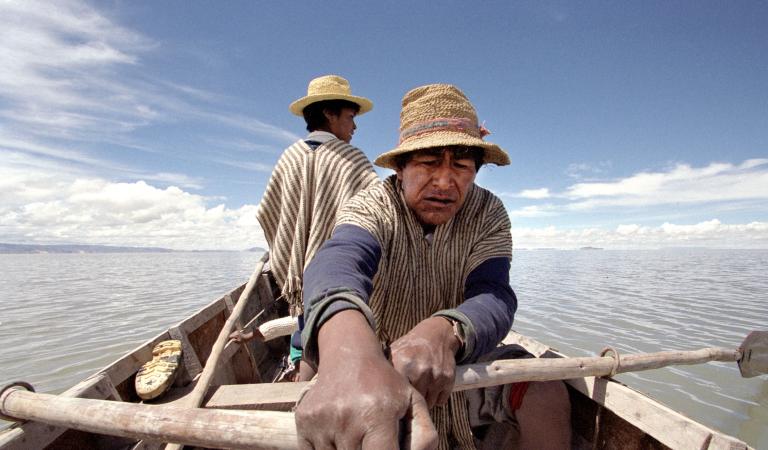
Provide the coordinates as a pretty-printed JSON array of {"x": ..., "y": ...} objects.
[
  {"x": 711, "y": 233},
  {"x": 717, "y": 182},
  {"x": 46, "y": 208}
]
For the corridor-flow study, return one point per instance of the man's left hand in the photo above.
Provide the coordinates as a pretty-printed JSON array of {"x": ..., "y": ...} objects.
[{"x": 426, "y": 355}]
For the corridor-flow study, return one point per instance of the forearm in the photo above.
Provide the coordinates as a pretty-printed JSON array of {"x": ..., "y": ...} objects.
[
  {"x": 338, "y": 278},
  {"x": 346, "y": 335}
]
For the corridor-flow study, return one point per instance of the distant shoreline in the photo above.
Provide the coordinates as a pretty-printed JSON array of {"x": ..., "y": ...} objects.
[{"x": 84, "y": 248}]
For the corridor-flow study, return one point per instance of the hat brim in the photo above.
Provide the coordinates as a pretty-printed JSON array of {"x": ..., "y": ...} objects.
[
  {"x": 493, "y": 154},
  {"x": 298, "y": 106}
]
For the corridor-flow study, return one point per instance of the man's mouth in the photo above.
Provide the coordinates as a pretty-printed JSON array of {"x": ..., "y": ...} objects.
[{"x": 439, "y": 200}]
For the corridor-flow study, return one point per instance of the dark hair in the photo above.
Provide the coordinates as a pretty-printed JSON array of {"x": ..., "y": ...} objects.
[
  {"x": 475, "y": 153},
  {"x": 314, "y": 112}
]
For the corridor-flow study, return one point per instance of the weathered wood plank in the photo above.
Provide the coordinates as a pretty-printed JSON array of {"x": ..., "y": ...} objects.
[
  {"x": 192, "y": 365},
  {"x": 666, "y": 425},
  {"x": 661, "y": 422},
  {"x": 202, "y": 316},
  {"x": 127, "y": 365},
  {"x": 237, "y": 370},
  {"x": 271, "y": 396}
]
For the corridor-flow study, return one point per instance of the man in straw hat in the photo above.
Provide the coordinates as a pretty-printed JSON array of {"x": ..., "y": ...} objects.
[
  {"x": 311, "y": 181},
  {"x": 420, "y": 262}
]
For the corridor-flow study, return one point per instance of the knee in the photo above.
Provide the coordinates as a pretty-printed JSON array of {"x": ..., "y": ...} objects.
[
  {"x": 545, "y": 416},
  {"x": 549, "y": 396}
]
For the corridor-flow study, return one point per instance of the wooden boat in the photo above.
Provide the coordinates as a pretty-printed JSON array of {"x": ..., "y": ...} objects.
[{"x": 605, "y": 413}]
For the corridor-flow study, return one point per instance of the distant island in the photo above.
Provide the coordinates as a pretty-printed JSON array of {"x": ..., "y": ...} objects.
[
  {"x": 84, "y": 248},
  {"x": 590, "y": 248}
]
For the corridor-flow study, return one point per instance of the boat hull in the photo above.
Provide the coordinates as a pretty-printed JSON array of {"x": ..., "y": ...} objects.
[{"x": 605, "y": 413}]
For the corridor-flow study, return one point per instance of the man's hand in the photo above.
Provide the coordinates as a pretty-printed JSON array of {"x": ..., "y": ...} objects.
[
  {"x": 241, "y": 336},
  {"x": 359, "y": 399},
  {"x": 427, "y": 357}
]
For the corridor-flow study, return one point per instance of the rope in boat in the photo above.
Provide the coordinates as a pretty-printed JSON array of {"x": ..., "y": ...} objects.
[{"x": 616, "y": 359}]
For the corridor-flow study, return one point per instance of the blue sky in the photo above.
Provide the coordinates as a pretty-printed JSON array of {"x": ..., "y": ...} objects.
[{"x": 629, "y": 125}]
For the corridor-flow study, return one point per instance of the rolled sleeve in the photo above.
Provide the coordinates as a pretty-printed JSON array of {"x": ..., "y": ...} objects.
[{"x": 488, "y": 309}]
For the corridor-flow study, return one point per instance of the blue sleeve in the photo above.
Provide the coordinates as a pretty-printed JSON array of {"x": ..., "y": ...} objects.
[
  {"x": 490, "y": 305},
  {"x": 349, "y": 259},
  {"x": 339, "y": 277}
]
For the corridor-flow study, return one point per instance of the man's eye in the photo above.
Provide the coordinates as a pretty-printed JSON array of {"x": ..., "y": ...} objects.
[{"x": 462, "y": 164}]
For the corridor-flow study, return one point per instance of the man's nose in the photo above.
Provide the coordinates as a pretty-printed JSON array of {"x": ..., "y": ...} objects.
[{"x": 442, "y": 177}]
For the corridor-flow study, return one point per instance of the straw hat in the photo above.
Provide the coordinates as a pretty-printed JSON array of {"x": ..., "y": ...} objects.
[
  {"x": 439, "y": 115},
  {"x": 329, "y": 87}
]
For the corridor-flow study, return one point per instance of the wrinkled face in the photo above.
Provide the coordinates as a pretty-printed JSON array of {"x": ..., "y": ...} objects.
[
  {"x": 436, "y": 181},
  {"x": 343, "y": 125}
]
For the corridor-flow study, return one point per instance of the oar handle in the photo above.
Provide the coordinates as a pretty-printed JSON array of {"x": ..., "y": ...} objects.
[{"x": 210, "y": 428}]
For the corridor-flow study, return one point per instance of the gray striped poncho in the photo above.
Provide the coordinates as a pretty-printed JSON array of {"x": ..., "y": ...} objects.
[
  {"x": 300, "y": 206},
  {"x": 416, "y": 277}
]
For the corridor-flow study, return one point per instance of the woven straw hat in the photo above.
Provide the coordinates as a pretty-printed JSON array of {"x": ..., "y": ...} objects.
[
  {"x": 439, "y": 115},
  {"x": 329, "y": 87}
]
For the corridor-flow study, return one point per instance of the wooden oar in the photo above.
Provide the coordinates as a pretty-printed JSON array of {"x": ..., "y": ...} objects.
[
  {"x": 195, "y": 398},
  {"x": 751, "y": 356},
  {"x": 262, "y": 429},
  {"x": 210, "y": 428}
]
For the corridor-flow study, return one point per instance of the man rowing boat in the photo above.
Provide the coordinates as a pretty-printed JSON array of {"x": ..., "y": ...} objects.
[{"x": 419, "y": 262}]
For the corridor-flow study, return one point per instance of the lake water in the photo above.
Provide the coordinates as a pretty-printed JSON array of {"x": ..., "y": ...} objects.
[{"x": 64, "y": 316}]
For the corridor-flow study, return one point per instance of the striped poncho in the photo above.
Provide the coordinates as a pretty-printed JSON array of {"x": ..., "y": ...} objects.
[
  {"x": 417, "y": 277},
  {"x": 300, "y": 206}
]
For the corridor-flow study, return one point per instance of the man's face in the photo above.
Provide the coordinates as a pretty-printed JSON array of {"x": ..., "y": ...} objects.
[
  {"x": 435, "y": 183},
  {"x": 343, "y": 125}
]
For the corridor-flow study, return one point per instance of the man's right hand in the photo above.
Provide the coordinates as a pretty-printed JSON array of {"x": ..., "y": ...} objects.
[{"x": 359, "y": 398}]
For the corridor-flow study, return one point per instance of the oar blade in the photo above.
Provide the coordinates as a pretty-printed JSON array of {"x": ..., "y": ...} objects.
[{"x": 754, "y": 354}]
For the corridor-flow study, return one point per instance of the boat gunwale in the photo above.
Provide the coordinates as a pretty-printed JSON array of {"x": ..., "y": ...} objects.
[{"x": 626, "y": 402}]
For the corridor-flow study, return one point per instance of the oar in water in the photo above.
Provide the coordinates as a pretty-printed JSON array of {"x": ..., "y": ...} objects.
[{"x": 263, "y": 429}]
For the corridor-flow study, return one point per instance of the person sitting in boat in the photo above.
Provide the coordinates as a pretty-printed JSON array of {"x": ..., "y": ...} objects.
[
  {"x": 420, "y": 263},
  {"x": 312, "y": 179}
]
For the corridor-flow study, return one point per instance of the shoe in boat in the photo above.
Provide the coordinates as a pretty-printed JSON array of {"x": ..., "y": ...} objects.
[{"x": 156, "y": 376}]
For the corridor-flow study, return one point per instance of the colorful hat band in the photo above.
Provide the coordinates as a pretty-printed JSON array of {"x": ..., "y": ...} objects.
[{"x": 448, "y": 124}]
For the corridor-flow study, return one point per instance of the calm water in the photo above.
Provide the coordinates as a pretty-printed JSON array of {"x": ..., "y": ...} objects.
[{"x": 65, "y": 316}]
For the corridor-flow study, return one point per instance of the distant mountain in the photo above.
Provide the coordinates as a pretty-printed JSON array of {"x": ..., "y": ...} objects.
[
  {"x": 77, "y": 248},
  {"x": 256, "y": 249},
  {"x": 590, "y": 248}
]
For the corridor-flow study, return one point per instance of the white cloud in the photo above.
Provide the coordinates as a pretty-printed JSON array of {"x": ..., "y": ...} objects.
[
  {"x": 532, "y": 211},
  {"x": 732, "y": 186},
  {"x": 19, "y": 153},
  {"x": 248, "y": 165},
  {"x": 681, "y": 184},
  {"x": 711, "y": 233},
  {"x": 44, "y": 208},
  {"x": 58, "y": 67},
  {"x": 534, "y": 193},
  {"x": 581, "y": 170},
  {"x": 70, "y": 75}
]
